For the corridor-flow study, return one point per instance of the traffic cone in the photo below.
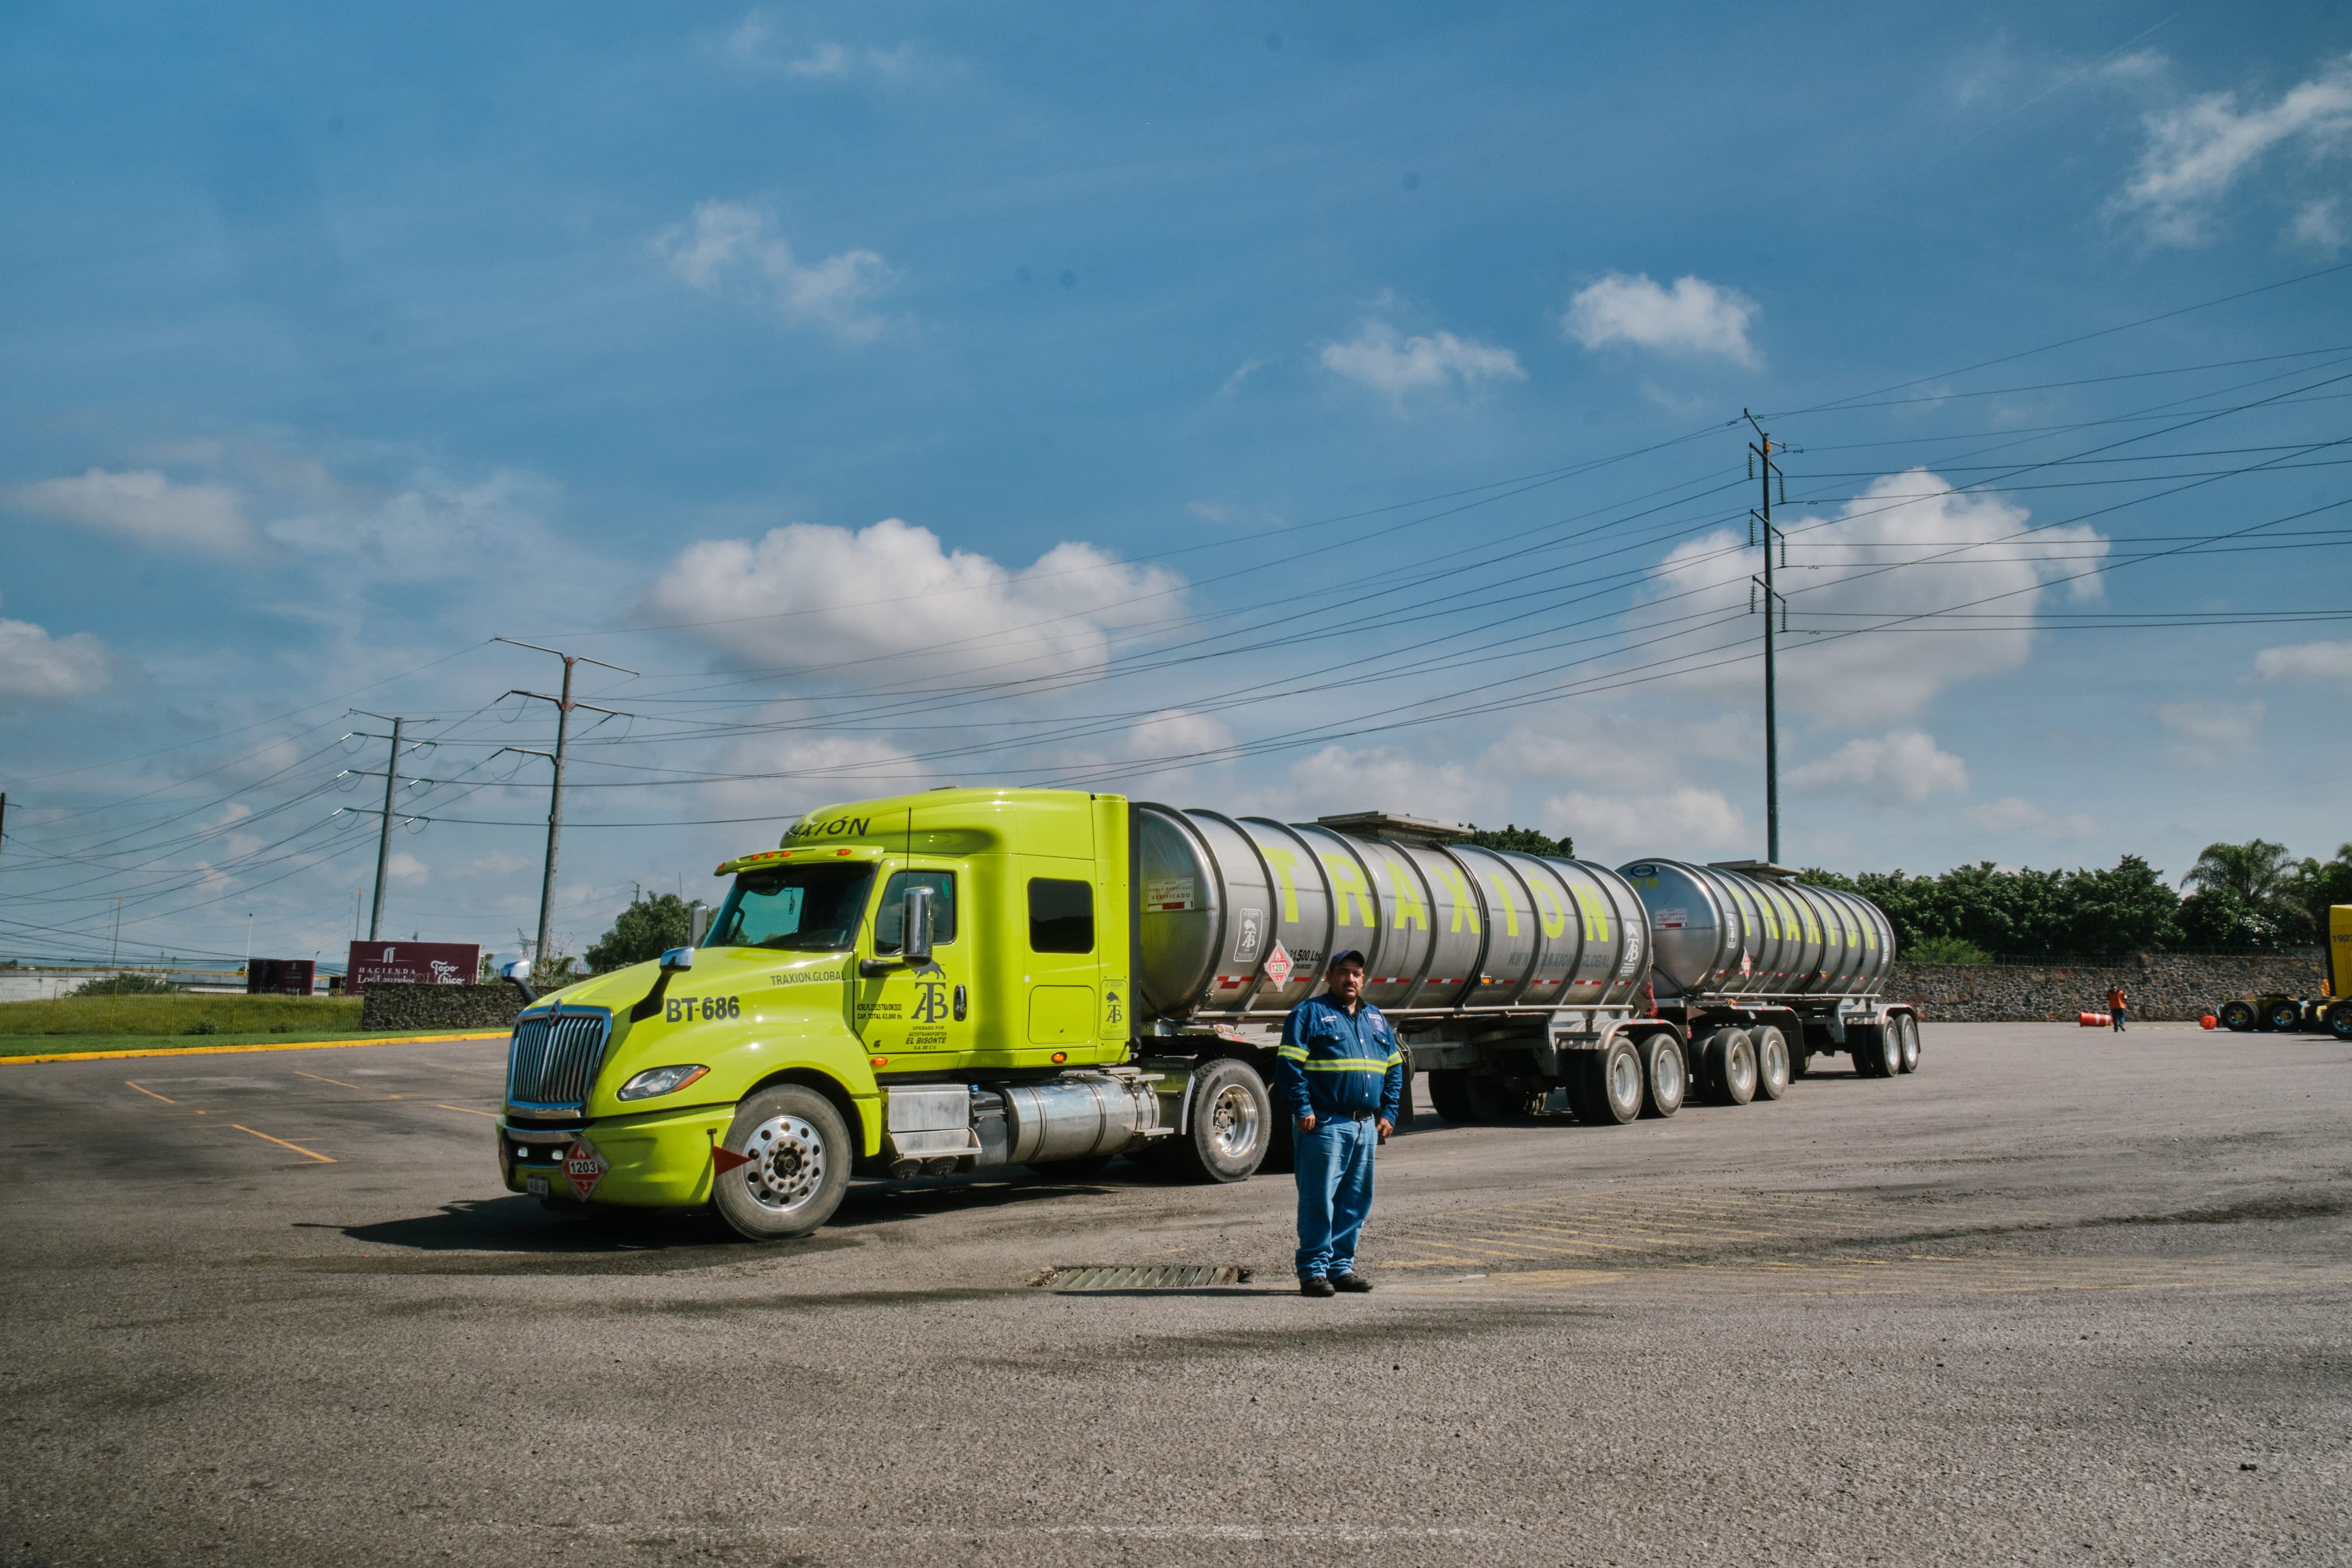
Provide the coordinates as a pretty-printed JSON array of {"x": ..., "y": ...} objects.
[{"x": 2094, "y": 1020}]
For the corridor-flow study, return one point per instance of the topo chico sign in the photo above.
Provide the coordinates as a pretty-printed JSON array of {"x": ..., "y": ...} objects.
[{"x": 413, "y": 964}]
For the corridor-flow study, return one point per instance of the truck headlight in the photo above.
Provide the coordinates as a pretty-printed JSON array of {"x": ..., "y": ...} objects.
[{"x": 656, "y": 1081}]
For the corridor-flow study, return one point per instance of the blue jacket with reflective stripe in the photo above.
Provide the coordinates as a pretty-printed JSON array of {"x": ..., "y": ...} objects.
[{"x": 1332, "y": 1064}]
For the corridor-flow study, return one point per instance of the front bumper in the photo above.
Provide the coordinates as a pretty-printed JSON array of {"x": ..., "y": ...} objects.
[{"x": 656, "y": 1159}]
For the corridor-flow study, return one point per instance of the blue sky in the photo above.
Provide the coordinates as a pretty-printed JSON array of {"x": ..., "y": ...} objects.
[{"x": 1241, "y": 405}]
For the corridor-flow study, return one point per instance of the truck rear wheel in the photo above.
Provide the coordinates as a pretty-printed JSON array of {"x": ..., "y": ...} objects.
[
  {"x": 1614, "y": 1081},
  {"x": 2340, "y": 1021},
  {"x": 1910, "y": 1041},
  {"x": 1728, "y": 1060},
  {"x": 1225, "y": 1138},
  {"x": 2237, "y": 1017},
  {"x": 1877, "y": 1052},
  {"x": 2284, "y": 1015},
  {"x": 1449, "y": 1093},
  {"x": 1772, "y": 1068},
  {"x": 799, "y": 1152},
  {"x": 1667, "y": 1077},
  {"x": 1491, "y": 1100}
]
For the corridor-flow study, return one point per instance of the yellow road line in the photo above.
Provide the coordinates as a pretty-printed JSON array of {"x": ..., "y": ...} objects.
[
  {"x": 312, "y": 1153},
  {"x": 321, "y": 1078},
  {"x": 235, "y": 1050},
  {"x": 150, "y": 1092},
  {"x": 468, "y": 1109}
]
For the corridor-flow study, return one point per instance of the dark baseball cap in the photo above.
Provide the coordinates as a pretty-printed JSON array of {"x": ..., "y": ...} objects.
[{"x": 1350, "y": 956}]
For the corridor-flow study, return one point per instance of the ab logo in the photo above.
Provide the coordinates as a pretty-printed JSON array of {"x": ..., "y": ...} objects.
[
  {"x": 1113, "y": 1016},
  {"x": 931, "y": 1001}
]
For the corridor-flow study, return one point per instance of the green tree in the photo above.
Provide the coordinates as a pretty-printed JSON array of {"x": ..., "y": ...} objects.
[
  {"x": 125, "y": 985},
  {"x": 2219, "y": 919},
  {"x": 2318, "y": 886},
  {"x": 2262, "y": 878},
  {"x": 647, "y": 929},
  {"x": 1526, "y": 840}
]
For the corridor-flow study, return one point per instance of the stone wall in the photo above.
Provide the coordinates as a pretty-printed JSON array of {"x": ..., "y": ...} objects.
[
  {"x": 432, "y": 1009},
  {"x": 2162, "y": 986}
]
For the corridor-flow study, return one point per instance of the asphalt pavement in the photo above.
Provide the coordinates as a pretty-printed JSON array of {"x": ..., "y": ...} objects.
[{"x": 2061, "y": 1296}]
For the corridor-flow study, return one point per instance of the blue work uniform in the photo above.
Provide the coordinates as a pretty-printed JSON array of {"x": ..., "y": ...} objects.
[{"x": 1346, "y": 1070}]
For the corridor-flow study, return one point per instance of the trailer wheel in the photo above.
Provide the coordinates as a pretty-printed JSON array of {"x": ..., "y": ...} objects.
[
  {"x": 1877, "y": 1052},
  {"x": 1233, "y": 1118},
  {"x": 1771, "y": 1061},
  {"x": 1729, "y": 1062},
  {"x": 1613, "y": 1084},
  {"x": 2340, "y": 1021},
  {"x": 1449, "y": 1093},
  {"x": 2237, "y": 1017},
  {"x": 2284, "y": 1015},
  {"x": 1492, "y": 1100},
  {"x": 1800, "y": 1058},
  {"x": 1668, "y": 1077},
  {"x": 1910, "y": 1041},
  {"x": 799, "y": 1152}
]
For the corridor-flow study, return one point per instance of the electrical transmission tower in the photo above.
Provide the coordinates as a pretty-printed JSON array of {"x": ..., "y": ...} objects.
[
  {"x": 1765, "y": 471},
  {"x": 564, "y": 707}
]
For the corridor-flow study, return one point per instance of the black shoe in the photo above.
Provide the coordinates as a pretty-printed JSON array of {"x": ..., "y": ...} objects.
[
  {"x": 1355, "y": 1284},
  {"x": 1316, "y": 1285}
]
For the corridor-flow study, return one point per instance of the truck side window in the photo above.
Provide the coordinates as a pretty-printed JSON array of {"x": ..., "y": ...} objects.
[
  {"x": 892, "y": 915},
  {"x": 1061, "y": 915}
]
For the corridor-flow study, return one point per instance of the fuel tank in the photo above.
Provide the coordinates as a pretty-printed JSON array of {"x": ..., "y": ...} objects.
[
  {"x": 1716, "y": 932},
  {"x": 1443, "y": 927}
]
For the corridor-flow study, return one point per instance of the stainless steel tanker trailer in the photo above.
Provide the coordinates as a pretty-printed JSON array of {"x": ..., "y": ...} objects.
[
  {"x": 1509, "y": 978},
  {"x": 1764, "y": 973}
]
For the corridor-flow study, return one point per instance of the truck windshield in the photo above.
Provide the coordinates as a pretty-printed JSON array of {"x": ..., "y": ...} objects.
[{"x": 800, "y": 909}]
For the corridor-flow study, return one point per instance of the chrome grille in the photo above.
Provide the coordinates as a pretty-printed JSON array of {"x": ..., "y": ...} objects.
[{"x": 554, "y": 1057}]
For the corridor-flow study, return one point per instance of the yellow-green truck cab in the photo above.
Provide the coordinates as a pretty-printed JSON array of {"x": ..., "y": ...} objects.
[{"x": 803, "y": 1043}]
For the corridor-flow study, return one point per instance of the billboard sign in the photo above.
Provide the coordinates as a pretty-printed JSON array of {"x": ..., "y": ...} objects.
[
  {"x": 412, "y": 963},
  {"x": 280, "y": 978}
]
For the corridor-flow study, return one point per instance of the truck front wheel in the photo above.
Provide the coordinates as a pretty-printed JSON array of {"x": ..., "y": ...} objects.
[
  {"x": 798, "y": 1153},
  {"x": 1231, "y": 1124}
]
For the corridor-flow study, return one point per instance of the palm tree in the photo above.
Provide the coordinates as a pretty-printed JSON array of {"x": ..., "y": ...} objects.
[{"x": 2257, "y": 871}]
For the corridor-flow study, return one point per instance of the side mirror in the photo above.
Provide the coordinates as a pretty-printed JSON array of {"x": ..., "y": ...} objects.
[
  {"x": 678, "y": 958},
  {"x": 914, "y": 944},
  {"x": 517, "y": 973},
  {"x": 698, "y": 923}
]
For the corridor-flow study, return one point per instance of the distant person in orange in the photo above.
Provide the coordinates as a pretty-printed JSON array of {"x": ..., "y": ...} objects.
[{"x": 2118, "y": 1005}]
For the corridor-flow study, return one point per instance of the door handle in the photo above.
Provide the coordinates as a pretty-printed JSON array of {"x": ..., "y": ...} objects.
[{"x": 959, "y": 1004}]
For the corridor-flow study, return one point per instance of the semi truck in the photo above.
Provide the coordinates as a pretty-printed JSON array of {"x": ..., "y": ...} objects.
[
  {"x": 977, "y": 978},
  {"x": 2330, "y": 1012}
]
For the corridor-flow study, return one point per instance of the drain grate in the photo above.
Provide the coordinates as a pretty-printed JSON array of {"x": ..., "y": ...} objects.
[{"x": 1139, "y": 1276}]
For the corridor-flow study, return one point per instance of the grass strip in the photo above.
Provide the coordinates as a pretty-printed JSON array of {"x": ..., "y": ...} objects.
[
  {"x": 217, "y": 1017},
  {"x": 21, "y": 1051}
]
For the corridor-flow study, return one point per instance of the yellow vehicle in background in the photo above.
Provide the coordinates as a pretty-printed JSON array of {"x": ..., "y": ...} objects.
[{"x": 2331, "y": 1011}]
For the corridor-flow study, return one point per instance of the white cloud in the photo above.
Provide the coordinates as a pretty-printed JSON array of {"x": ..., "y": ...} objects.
[
  {"x": 730, "y": 245},
  {"x": 2199, "y": 151},
  {"x": 806, "y": 771},
  {"x": 2011, "y": 818},
  {"x": 1681, "y": 821},
  {"x": 752, "y": 42},
  {"x": 2211, "y": 734},
  {"x": 2319, "y": 226},
  {"x": 432, "y": 528},
  {"x": 1904, "y": 765},
  {"x": 1695, "y": 317},
  {"x": 1838, "y": 585},
  {"x": 1380, "y": 778},
  {"x": 1242, "y": 373},
  {"x": 1176, "y": 735},
  {"x": 889, "y": 604},
  {"x": 1578, "y": 754},
  {"x": 2305, "y": 660},
  {"x": 1398, "y": 366},
  {"x": 145, "y": 506},
  {"x": 404, "y": 867},
  {"x": 37, "y": 667}
]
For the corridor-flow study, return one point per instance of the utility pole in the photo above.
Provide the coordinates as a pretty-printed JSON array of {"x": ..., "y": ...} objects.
[
  {"x": 383, "y": 836},
  {"x": 115, "y": 961},
  {"x": 1761, "y": 463},
  {"x": 564, "y": 707}
]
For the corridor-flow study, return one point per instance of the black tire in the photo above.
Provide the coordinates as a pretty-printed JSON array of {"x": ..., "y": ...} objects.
[
  {"x": 1449, "y": 1093},
  {"x": 1772, "y": 1069},
  {"x": 1613, "y": 1080},
  {"x": 1910, "y": 1042},
  {"x": 1877, "y": 1050},
  {"x": 1231, "y": 1124},
  {"x": 2283, "y": 1016},
  {"x": 1491, "y": 1100},
  {"x": 2237, "y": 1017},
  {"x": 800, "y": 1152},
  {"x": 2339, "y": 1019},
  {"x": 1728, "y": 1063},
  {"x": 1665, "y": 1079},
  {"x": 1801, "y": 1057}
]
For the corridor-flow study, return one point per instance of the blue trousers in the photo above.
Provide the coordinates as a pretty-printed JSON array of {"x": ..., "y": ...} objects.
[{"x": 1335, "y": 1192}]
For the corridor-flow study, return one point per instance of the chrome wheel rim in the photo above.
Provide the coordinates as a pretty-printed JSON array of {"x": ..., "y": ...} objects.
[
  {"x": 788, "y": 1164},
  {"x": 1772, "y": 1058},
  {"x": 1742, "y": 1069},
  {"x": 1666, "y": 1075},
  {"x": 1234, "y": 1121},
  {"x": 1625, "y": 1080}
]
